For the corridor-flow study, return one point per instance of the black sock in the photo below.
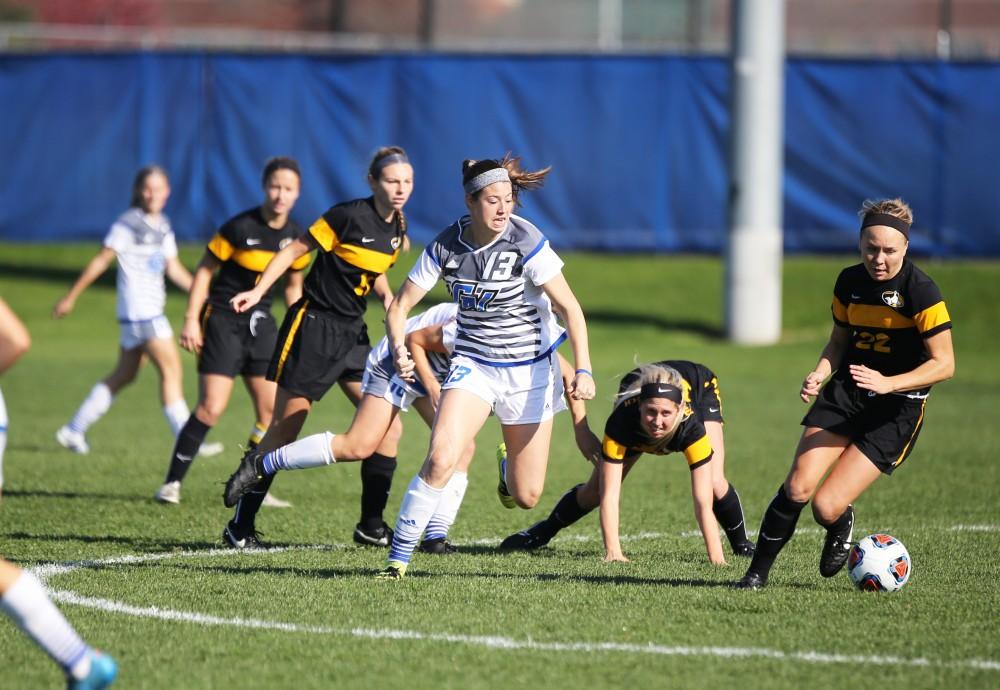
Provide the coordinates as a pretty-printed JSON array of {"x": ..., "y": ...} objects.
[
  {"x": 776, "y": 529},
  {"x": 249, "y": 505},
  {"x": 566, "y": 512},
  {"x": 376, "y": 482},
  {"x": 186, "y": 448},
  {"x": 729, "y": 512}
]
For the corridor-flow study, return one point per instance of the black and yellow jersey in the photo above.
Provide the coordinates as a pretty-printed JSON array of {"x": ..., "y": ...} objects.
[
  {"x": 623, "y": 433},
  {"x": 245, "y": 244},
  {"x": 888, "y": 320},
  {"x": 356, "y": 247}
]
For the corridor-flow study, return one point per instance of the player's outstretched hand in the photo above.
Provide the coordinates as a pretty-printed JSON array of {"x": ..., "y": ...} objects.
[
  {"x": 63, "y": 307},
  {"x": 582, "y": 387},
  {"x": 191, "y": 338},
  {"x": 811, "y": 386},
  {"x": 404, "y": 364},
  {"x": 245, "y": 301}
]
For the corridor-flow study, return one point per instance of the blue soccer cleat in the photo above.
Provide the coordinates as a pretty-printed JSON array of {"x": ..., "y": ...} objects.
[{"x": 103, "y": 671}]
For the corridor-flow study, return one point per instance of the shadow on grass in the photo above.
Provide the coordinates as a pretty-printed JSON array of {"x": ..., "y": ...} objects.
[
  {"x": 626, "y": 319},
  {"x": 73, "y": 495},
  {"x": 52, "y": 274},
  {"x": 141, "y": 544}
]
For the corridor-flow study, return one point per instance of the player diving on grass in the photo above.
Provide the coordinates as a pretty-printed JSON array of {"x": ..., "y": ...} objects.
[{"x": 665, "y": 407}]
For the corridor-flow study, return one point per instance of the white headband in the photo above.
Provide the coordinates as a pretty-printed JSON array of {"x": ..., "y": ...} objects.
[{"x": 485, "y": 179}]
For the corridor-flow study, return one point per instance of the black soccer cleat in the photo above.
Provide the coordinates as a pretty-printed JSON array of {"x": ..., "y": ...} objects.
[
  {"x": 744, "y": 549},
  {"x": 836, "y": 548},
  {"x": 439, "y": 546},
  {"x": 380, "y": 536},
  {"x": 527, "y": 540},
  {"x": 232, "y": 538},
  {"x": 751, "y": 581},
  {"x": 246, "y": 476}
]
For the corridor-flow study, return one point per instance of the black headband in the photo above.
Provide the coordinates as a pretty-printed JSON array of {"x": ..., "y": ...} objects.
[
  {"x": 872, "y": 218},
  {"x": 661, "y": 390}
]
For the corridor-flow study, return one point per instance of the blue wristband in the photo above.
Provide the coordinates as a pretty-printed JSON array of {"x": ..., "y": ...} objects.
[{"x": 588, "y": 372}]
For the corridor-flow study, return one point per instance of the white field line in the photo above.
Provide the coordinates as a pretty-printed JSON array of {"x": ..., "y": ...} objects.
[{"x": 45, "y": 572}]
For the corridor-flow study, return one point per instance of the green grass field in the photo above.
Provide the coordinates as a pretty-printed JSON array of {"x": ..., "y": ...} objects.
[{"x": 148, "y": 583}]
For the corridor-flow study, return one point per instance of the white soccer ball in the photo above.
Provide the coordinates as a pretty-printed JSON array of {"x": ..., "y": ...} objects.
[{"x": 879, "y": 563}]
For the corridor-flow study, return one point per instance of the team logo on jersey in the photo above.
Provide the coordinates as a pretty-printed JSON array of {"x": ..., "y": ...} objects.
[
  {"x": 284, "y": 243},
  {"x": 395, "y": 242},
  {"x": 892, "y": 298}
]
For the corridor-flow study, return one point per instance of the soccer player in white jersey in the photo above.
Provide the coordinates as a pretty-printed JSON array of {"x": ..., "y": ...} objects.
[
  {"x": 22, "y": 596},
  {"x": 508, "y": 284},
  {"x": 144, "y": 244}
]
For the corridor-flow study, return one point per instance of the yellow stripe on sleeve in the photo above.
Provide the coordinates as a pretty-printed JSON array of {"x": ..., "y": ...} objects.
[
  {"x": 302, "y": 262},
  {"x": 699, "y": 451},
  {"x": 839, "y": 310},
  {"x": 931, "y": 317},
  {"x": 613, "y": 450},
  {"x": 324, "y": 235},
  {"x": 220, "y": 247}
]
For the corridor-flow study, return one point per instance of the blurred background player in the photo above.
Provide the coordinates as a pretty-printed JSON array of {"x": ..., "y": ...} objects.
[
  {"x": 229, "y": 344},
  {"x": 509, "y": 286},
  {"x": 22, "y": 596},
  {"x": 891, "y": 341},
  {"x": 669, "y": 406},
  {"x": 14, "y": 342},
  {"x": 430, "y": 337},
  {"x": 324, "y": 339},
  {"x": 144, "y": 244}
]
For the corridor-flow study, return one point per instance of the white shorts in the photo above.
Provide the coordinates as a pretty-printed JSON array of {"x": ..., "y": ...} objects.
[
  {"x": 135, "y": 333},
  {"x": 379, "y": 380},
  {"x": 525, "y": 394}
]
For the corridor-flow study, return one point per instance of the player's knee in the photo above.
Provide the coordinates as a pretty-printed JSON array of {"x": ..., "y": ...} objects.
[
  {"x": 826, "y": 509},
  {"x": 798, "y": 491},
  {"x": 527, "y": 498},
  {"x": 208, "y": 413}
]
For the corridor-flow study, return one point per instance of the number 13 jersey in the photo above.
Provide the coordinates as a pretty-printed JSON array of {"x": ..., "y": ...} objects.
[{"x": 504, "y": 317}]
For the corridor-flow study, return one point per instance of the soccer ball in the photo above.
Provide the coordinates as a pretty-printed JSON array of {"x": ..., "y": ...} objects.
[{"x": 879, "y": 563}]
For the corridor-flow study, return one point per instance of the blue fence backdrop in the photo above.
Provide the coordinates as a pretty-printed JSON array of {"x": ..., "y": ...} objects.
[{"x": 638, "y": 143}]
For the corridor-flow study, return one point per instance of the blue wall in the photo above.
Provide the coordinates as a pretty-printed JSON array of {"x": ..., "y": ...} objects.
[{"x": 638, "y": 143}]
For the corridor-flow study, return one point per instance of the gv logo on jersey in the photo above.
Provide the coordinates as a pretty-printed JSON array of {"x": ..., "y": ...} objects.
[
  {"x": 892, "y": 298},
  {"x": 284, "y": 243}
]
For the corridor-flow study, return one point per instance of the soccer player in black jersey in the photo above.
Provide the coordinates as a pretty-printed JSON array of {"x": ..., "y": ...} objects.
[
  {"x": 670, "y": 406},
  {"x": 230, "y": 344},
  {"x": 891, "y": 342},
  {"x": 324, "y": 340}
]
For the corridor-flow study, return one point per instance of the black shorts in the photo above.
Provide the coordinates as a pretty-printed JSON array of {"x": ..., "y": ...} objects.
[
  {"x": 706, "y": 400},
  {"x": 883, "y": 427},
  {"x": 317, "y": 349},
  {"x": 236, "y": 344}
]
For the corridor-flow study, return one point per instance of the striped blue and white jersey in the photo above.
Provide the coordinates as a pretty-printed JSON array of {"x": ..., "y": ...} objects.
[
  {"x": 143, "y": 247},
  {"x": 504, "y": 317},
  {"x": 440, "y": 314}
]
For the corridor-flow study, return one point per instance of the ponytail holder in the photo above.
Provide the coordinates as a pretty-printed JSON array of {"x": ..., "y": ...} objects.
[{"x": 588, "y": 372}]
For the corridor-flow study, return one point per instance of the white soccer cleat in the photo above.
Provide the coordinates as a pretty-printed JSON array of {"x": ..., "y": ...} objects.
[
  {"x": 208, "y": 450},
  {"x": 272, "y": 501},
  {"x": 168, "y": 493},
  {"x": 72, "y": 440}
]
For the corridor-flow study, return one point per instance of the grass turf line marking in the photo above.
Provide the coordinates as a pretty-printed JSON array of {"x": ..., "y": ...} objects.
[{"x": 44, "y": 572}]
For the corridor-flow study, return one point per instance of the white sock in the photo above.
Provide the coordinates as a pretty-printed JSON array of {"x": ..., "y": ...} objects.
[
  {"x": 419, "y": 504},
  {"x": 32, "y": 611},
  {"x": 3, "y": 434},
  {"x": 447, "y": 510},
  {"x": 311, "y": 451},
  {"x": 177, "y": 414},
  {"x": 97, "y": 402}
]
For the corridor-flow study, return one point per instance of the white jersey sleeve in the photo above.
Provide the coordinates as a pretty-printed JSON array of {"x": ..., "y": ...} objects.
[
  {"x": 543, "y": 265},
  {"x": 119, "y": 238},
  {"x": 426, "y": 272}
]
